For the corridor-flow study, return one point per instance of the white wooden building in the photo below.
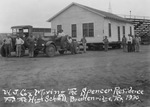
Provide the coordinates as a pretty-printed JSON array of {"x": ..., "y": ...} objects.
[{"x": 77, "y": 20}]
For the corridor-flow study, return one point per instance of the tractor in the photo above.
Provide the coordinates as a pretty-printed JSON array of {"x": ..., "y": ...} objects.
[{"x": 50, "y": 45}]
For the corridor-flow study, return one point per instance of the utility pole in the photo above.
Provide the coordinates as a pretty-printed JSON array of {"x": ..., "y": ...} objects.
[
  {"x": 109, "y": 9},
  {"x": 130, "y": 14}
]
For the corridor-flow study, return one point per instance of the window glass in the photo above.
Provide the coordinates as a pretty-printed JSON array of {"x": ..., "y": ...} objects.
[
  {"x": 59, "y": 27},
  {"x": 74, "y": 30},
  {"x": 109, "y": 28},
  {"x": 88, "y": 29}
]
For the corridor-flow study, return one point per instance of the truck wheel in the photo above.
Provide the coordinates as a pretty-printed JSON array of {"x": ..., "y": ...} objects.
[
  {"x": 61, "y": 52},
  {"x": 3, "y": 54},
  {"x": 76, "y": 48},
  {"x": 36, "y": 52},
  {"x": 22, "y": 52},
  {"x": 119, "y": 46},
  {"x": 50, "y": 50}
]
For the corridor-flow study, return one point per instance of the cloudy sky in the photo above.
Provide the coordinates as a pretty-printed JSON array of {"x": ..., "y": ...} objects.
[{"x": 36, "y": 12}]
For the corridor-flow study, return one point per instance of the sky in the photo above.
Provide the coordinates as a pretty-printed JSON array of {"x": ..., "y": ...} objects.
[{"x": 37, "y": 12}]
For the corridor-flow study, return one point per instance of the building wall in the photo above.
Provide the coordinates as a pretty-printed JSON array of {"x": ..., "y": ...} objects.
[
  {"x": 114, "y": 29},
  {"x": 78, "y": 16}
]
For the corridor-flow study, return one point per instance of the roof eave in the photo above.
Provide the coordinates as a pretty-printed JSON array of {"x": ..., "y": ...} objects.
[
  {"x": 49, "y": 20},
  {"x": 89, "y": 9},
  {"x": 126, "y": 21}
]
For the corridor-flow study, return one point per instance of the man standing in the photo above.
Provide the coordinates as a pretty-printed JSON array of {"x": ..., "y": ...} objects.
[
  {"x": 124, "y": 43},
  {"x": 83, "y": 40},
  {"x": 7, "y": 45},
  {"x": 133, "y": 43},
  {"x": 71, "y": 46},
  {"x": 137, "y": 43},
  {"x": 61, "y": 35},
  {"x": 31, "y": 41},
  {"x": 106, "y": 43},
  {"x": 129, "y": 41},
  {"x": 19, "y": 42}
]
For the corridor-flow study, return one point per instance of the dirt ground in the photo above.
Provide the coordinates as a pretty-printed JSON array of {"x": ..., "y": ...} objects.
[{"x": 94, "y": 70}]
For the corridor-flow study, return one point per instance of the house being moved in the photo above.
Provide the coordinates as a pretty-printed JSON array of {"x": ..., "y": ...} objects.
[{"x": 77, "y": 20}]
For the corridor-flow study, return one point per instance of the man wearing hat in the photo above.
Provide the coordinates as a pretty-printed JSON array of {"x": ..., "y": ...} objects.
[
  {"x": 31, "y": 42},
  {"x": 124, "y": 43},
  {"x": 84, "y": 41},
  {"x": 61, "y": 36},
  {"x": 61, "y": 33},
  {"x": 129, "y": 41},
  {"x": 7, "y": 45},
  {"x": 106, "y": 43},
  {"x": 19, "y": 42},
  {"x": 137, "y": 43}
]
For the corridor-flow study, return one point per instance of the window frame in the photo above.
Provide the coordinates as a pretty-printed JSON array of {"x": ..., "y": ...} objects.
[
  {"x": 74, "y": 30},
  {"x": 130, "y": 30},
  {"x": 109, "y": 30},
  {"x": 119, "y": 33},
  {"x": 88, "y": 29},
  {"x": 59, "y": 27},
  {"x": 124, "y": 30}
]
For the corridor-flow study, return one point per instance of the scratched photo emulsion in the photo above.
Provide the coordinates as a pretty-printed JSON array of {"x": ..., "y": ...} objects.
[{"x": 74, "y": 53}]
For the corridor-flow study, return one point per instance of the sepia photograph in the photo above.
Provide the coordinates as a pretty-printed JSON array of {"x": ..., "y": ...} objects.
[{"x": 74, "y": 53}]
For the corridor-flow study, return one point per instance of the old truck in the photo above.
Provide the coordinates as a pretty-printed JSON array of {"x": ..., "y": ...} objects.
[
  {"x": 50, "y": 45},
  {"x": 45, "y": 41}
]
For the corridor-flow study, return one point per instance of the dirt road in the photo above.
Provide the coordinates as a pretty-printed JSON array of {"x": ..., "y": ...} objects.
[{"x": 94, "y": 70}]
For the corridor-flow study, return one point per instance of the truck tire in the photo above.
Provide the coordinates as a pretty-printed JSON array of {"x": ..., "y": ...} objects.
[
  {"x": 3, "y": 54},
  {"x": 76, "y": 48},
  {"x": 36, "y": 52},
  {"x": 61, "y": 52},
  {"x": 50, "y": 50}
]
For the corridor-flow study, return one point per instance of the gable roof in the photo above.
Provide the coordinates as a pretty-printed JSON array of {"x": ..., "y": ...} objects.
[{"x": 96, "y": 11}]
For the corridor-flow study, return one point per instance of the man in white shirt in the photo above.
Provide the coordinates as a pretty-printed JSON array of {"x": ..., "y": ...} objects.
[
  {"x": 129, "y": 42},
  {"x": 19, "y": 42},
  {"x": 61, "y": 34}
]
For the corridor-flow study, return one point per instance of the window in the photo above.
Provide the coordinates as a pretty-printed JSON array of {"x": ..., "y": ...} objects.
[
  {"x": 74, "y": 30},
  {"x": 25, "y": 30},
  {"x": 59, "y": 27},
  {"x": 109, "y": 28},
  {"x": 130, "y": 30},
  {"x": 91, "y": 30},
  {"x": 88, "y": 29},
  {"x": 123, "y": 30},
  {"x": 118, "y": 33}
]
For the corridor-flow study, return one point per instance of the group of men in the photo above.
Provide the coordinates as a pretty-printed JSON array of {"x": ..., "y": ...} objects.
[
  {"x": 31, "y": 43},
  {"x": 18, "y": 43},
  {"x": 131, "y": 44}
]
